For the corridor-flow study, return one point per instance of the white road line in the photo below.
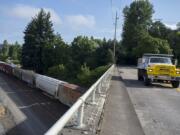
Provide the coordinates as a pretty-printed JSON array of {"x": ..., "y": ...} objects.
[
  {"x": 35, "y": 104},
  {"x": 23, "y": 91}
]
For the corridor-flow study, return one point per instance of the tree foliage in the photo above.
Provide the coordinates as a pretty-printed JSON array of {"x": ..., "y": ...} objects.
[
  {"x": 104, "y": 53},
  {"x": 38, "y": 36},
  {"x": 82, "y": 50},
  {"x": 5, "y": 49},
  {"x": 47, "y": 53},
  {"x": 137, "y": 21},
  {"x": 140, "y": 34},
  {"x": 15, "y": 51},
  {"x": 153, "y": 45},
  {"x": 86, "y": 77},
  {"x": 10, "y": 52},
  {"x": 159, "y": 30},
  {"x": 174, "y": 40},
  {"x": 58, "y": 71}
]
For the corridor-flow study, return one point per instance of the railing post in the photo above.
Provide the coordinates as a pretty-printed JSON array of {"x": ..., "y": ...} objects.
[
  {"x": 80, "y": 118},
  {"x": 108, "y": 81},
  {"x": 99, "y": 88},
  {"x": 78, "y": 106},
  {"x": 93, "y": 97},
  {"x": 102, "y": 83}
]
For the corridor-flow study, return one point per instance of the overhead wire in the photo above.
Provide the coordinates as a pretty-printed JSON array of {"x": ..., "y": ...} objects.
[
  {"x": 112, "y": 14},
  {"x": 115, "y": 10}
]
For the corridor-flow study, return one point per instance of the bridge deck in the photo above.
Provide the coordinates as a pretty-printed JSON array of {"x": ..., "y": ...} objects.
[
  {"x": 119, "y": 116},
  {"x": 157, "y": 106},
  {"x": 135, "y": 109},
  {"x": 41, "y": 111}
]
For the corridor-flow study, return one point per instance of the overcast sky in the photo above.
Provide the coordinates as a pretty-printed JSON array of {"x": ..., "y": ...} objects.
[{"x": 76, "y": 17}]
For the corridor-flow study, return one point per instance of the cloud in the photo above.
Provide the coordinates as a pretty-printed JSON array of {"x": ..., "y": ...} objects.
[
  {"x": 27, "y": 12},
  {"x": 78, "y": 22},
  {"x": 172, "y": 26}
]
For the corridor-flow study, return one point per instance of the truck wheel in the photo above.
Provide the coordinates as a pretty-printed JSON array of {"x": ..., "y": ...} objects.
[
  {"x": 147, "y": 81},
  {"x": 140, "y": 77},
  {"x": 175, "y": 84}
]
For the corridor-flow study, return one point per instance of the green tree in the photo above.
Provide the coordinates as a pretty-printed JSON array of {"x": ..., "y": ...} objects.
[
  {"x": 84, "y": 76},
  {"x": 58, "y": 72},
  {"x": 121, "y": 56},
  {"x": 149, "y": 44},
  {"x": 87, "y": 77},
  {"x": 38, "y": 35},
  {"x": 104, "y": 53},
  {"x": 5, "y": 48},
  {"x": 15, "y": 51},
  {"x": 174, "y": 40},
  {"x": 137, "y": 21},
  {"x": 58, "y": 53},
  {"x": 61, "y": 51},
  {"x": 82, "y": 50},
  {"x": 159, "y": 30}
]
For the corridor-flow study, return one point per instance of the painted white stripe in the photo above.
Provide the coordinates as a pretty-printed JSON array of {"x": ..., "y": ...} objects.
[{"x": 35, "y": 104}]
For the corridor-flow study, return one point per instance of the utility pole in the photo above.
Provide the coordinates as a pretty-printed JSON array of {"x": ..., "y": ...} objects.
[{"x": 115, "y": 37}]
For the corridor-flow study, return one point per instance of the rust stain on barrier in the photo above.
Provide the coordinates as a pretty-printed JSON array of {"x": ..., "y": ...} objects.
[
  {"x": 178, "y": 89},
  {"x": 2, "y": 111},
  {"x": 70, "y": 93}
]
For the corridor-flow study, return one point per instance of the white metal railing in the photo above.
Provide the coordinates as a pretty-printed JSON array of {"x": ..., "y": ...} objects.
[{"x": 78, "y": 106}]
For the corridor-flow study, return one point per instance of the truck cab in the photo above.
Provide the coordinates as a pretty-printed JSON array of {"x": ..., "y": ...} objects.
[{"x": 158, "y": 68}]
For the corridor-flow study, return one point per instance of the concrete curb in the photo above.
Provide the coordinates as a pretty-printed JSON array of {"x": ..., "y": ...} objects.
[{"x": 102, "y": 113}]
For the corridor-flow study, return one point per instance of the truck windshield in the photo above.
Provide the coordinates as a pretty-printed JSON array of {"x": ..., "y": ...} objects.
[{"x": 161, "y": 60}]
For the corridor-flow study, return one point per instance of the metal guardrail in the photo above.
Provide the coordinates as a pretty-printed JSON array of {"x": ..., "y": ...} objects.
[{"x": 78, "y": 106}]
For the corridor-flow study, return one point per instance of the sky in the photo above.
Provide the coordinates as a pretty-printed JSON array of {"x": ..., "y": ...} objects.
[{"x": 77, "y": 17}]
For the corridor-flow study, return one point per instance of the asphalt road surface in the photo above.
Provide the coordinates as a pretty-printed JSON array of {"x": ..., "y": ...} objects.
[
  {"x": 41, "y": 111},
  {"x": 157, "y": 106}
]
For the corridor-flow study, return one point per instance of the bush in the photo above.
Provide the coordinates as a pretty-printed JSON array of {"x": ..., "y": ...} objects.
[
  {"x": 87, "y": 77},
  {"x": 16, "y": 62},
  {"x": 83, "y": 77},
  {"x": 3, "y": 58},
  {"x": 58, "y": 72},
  {"x": 98, "y": 72}
]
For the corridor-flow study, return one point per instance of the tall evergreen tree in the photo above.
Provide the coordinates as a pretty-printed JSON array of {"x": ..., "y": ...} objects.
[
  {"x": 5, "y": 48},
  {"x": 15, "y": 51},
  {"x": 38, "y": 34}
]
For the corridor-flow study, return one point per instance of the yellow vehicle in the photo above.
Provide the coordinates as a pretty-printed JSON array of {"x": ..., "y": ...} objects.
[{"x": 158, "y": 68}]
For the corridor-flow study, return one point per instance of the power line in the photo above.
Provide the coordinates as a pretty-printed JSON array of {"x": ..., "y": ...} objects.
[
  {"x": 115, "y": 30},
  {"x": 112, "y": 9}
]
